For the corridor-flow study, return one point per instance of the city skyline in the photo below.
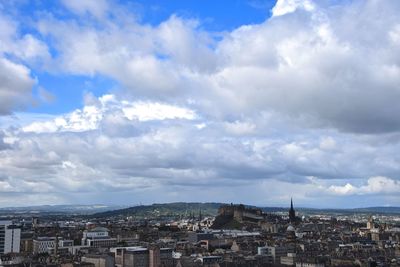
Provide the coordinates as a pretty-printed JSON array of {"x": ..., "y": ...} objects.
[{"x": 121, "y": 102}]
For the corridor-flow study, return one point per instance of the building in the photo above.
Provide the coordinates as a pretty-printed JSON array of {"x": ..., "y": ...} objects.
[
  {"x": 290, "y": 234},
  {"x": 43, "y": 244},
  {"x": 275, "y": 251},
  {"x": 211, "y": 260},
  {"x": 143, "y": 257},
  {"x": 241, "y": 213},
  {"x": 65, "y": 243},
  {"x": 35, "y": 222},
  {"x": 194, "y": 237},
  {"x": 309, "y": 264},
  {"x": 98, "y": 237},
  {"x": 99, "y": 260},
  {"x": 26, "y": 244},
  {"x": 289, "y": 259},
  {"x": 10, "y": 238},
  {"x": 370, "y": 223}
]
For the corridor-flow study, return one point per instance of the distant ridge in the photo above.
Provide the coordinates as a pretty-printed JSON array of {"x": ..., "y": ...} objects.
[
  {"x": 380, "y": 209},
  {"x": 61, "y": 209},
  {"x": 166, "y": 209},
  {"x": 377, "y": 210},
  {"x": 211, "y": 208},
  {"x": 176, "y": 208}
]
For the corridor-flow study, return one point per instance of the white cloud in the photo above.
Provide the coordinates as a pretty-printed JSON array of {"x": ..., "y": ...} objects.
[
  {"x": 145, "y": 111},
  {"x": 375, "y": 185},
  {"x": 31, "y": 50},
  {"x": 91, "y": 116},
  {"x": 283, "y": 7},
  {"x": 25, "y": 47},
  {"x": 76, "y": 121},
  {"x": 342, "y": 190},
  {"x": 381, "y": 184}
]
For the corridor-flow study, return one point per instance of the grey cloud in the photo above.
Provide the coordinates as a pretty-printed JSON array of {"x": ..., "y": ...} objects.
[
  {"x": 3, "y": 145},
  {"x": 175, "y": 155},
  {"x": 176, "y": 150},
  {"x": 336, "y": 80},
  {"x": 15, "y": 86}
]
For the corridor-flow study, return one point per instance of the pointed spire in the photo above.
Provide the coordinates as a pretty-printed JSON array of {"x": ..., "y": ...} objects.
[{"x": 292, "y": 213}]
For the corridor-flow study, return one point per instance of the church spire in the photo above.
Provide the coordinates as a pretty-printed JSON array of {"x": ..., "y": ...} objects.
[{"x": 292, "y": 213}]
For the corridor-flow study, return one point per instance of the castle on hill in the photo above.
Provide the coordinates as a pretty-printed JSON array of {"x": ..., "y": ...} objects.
[
  {"x": 235, "y": 215},
  {"x": 241, "y": 213}
]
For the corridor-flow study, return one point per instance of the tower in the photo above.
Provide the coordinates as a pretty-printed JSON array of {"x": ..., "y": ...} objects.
[
  {"x": 292, "y": 213},
  {"x": 370, "y": 223}
]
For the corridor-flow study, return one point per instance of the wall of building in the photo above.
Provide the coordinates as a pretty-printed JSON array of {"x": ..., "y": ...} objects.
[
  {"x": 10, "y": 238},
  {"x": 99, "y": 260}
]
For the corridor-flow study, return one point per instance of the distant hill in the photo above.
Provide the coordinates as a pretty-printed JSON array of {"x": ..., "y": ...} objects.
[
  {"x": 391, "y": 210},
  {"x": 166, "y": 209},
  {"x": 211, "y": 209},
  {"x": 59, "y": 209},
  {"x": 372, "y": 210},
  {"x": 169, "y": 209}
]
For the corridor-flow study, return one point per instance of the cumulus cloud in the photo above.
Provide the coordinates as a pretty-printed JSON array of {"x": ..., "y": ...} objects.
[
  {"x": 143, "y": 111},
  {"x": 161, "y": 62},
  {"x": 339, "y": 77},
  {"x": 329, "y": 82},
  {"x": 283, "y": 7},
  {"x": 90, "y": 117},
  {"x": 375, "y": 185},
  {"x": 342, "y": 190},
  {"x": 31, "y": 50},
  {"x": 25, "y": 47},
  {"x": 16, "y": 53}
]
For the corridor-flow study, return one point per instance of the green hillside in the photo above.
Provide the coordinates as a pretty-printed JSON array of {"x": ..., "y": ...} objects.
[{"x": 166, "y": 209}]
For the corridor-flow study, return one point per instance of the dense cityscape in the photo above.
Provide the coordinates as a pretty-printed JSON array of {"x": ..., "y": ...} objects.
[{"x": 237, "y": 235}]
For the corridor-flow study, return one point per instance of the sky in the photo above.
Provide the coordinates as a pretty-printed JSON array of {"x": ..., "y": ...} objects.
[{"x": 245, "y": 101}]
